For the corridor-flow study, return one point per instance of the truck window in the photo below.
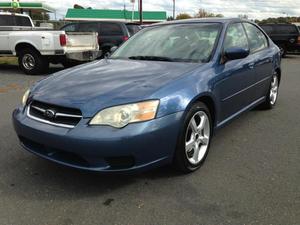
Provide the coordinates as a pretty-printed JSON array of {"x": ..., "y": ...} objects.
[
  {"x": 70, "y": 28},
  {"x": 7, "y": 20},
  {"x": 287, "y": 29},
  {"x": 23, "y": 21},
  {"x": 133, "y": 28},
  {"x": 110, "y": 29},
  {"x": 268, "y": 29},
  {"x": 88, "y": 27}
]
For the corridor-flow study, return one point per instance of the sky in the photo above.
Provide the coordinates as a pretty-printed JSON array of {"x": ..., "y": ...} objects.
[{"x": 255, "y": 9}]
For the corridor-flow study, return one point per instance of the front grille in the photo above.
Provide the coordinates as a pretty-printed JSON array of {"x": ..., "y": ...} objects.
[{"x": 53, "y": 114}]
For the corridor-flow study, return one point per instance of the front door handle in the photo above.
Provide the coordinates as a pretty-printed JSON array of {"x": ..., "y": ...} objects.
[{"x": 251, "y": 65}]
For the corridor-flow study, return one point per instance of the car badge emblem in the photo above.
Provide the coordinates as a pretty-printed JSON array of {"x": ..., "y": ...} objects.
[{"x": 50, "y": 113}]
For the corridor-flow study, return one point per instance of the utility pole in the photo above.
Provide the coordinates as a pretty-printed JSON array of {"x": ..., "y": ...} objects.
[
  {"x": 141, "y": 11},
  {"x": 174, "y": 7}
]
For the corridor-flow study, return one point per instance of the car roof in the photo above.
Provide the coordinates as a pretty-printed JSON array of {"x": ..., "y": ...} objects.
[{"x": 203, "y": 20}]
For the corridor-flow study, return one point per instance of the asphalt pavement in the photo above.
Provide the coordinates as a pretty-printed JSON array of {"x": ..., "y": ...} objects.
[{"x": 251, "y": 176}]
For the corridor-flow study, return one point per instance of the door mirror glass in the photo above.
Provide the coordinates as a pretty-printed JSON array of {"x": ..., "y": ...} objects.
[{"x": 236, "y": 53}]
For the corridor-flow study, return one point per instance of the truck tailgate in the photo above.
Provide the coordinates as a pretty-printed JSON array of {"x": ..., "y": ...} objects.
[{"x": 82, "y": 41}]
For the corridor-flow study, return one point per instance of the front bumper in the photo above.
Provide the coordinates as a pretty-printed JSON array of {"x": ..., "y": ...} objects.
[
  {"x": 101, "y": 148},
  {"x": 84, "y": 56}
]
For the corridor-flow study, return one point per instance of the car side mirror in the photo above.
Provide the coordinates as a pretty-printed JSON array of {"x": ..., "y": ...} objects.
[
  {"x": 113, "y": 49},
  {"x": 235, "y": 53}
]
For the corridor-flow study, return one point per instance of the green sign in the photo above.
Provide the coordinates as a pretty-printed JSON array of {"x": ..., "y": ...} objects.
[{"x": 15, "y": 4}]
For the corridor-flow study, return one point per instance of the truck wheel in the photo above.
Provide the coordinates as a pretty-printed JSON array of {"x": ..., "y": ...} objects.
[{"x": 32, "y": 62}]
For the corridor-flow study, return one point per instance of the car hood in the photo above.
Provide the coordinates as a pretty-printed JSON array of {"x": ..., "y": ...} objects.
[{"x": 101, "y": 84}]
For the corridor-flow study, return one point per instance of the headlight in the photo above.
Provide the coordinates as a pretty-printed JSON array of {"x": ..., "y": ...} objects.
[
  {"x": 120, "y": 116},
  {"x": 25, "y": 97}
]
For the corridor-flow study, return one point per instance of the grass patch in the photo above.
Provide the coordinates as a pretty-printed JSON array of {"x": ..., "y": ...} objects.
[{"x": 8, "y": 61}]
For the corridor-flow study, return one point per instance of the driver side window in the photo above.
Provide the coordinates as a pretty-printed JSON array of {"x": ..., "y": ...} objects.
[{"x": 235, "y": 37}]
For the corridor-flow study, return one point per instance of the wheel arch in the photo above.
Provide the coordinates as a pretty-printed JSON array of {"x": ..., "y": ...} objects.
[
  {"x": 22, "y": 45},
  {"x": 209, "y": 100},
  {"x": 278, "y": 71}
]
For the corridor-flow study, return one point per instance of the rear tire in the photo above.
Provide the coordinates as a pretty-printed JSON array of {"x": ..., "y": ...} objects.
[
  {"x": 272, "y": 95},
  {"x": 283, "y": 51},
  {"x": 32, "y": 62},
  {"x": 194, "y": 140}
]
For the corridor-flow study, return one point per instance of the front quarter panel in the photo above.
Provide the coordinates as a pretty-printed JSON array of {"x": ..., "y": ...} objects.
[{"x": 180, "y": 94}]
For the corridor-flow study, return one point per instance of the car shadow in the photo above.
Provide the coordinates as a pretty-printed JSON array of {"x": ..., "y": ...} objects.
[{"x": 37, "y": 175}]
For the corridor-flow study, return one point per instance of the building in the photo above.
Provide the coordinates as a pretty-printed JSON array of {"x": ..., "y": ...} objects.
[
  {"x": 119, "y": 15},
  {"x": 30, "y": 7}
]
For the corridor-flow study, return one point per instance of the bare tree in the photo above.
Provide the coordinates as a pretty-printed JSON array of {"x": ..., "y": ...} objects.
[{"x": 183, "y": 16}]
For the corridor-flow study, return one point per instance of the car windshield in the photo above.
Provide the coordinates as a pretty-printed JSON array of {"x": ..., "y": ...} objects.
[{"x": 182, "y": 42}]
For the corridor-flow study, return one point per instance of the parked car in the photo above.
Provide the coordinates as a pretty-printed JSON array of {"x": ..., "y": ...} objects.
[
  {"x": 110, "y": 33},
  {"x": 157, "y": 100},
  {"x": 286, "y": 36},
  {"x": 37, "y": 47}
]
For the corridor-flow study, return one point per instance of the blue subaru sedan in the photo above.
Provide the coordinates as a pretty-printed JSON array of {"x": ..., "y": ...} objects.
[{"x": 156, "y": 100}]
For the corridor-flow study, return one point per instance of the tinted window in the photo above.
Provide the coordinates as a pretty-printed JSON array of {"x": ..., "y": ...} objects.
[
  {"x": 287, "y": 29},
  {"x": 189, "y": 42},
  {"x": 268, "y": 29},
  {"x": 235, "y": 37},
  {"x": 133, "y": 28},
  {"x": 23, "y": 21},
  {"x": 88, "y": 27},
  {"x": 257, "y": 39},
  {"x": 70, "y": 28},
  {"x": 6, "y": 20},
  {"x": 110, "y": 29}
]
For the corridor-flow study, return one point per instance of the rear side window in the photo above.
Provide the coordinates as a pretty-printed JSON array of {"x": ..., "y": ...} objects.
[
  {"x": 23, "y": 21},
  {"x": 287, "y": 29},
  {"x": 133, "y": 28},
  {"x": 257, "y": 40},
  {"x": 88, "y": 27},
  {"x": 110, "y": 29},
  {"x": 7, "y": 20},
  {"x": 235, "y": 37}
]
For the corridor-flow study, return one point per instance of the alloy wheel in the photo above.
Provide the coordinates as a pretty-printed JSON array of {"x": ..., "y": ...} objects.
[
  {"x": 274, "y": 90},
  {"x": 197, "y": 137}
]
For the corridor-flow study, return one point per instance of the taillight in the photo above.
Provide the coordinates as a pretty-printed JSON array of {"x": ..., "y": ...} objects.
[
  {"x": 298, "y": 40},
  {"x": 63, "y": 39},
  {"x": 125, "y": 38}
]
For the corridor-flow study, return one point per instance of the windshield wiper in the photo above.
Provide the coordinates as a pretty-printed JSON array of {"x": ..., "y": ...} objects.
[{"x": 152, "y": 58}]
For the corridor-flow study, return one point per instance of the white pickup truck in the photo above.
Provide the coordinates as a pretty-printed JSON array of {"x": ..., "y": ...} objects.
[{"x": 37, "y": 47}]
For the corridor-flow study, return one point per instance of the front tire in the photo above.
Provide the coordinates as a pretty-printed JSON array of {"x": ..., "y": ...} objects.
[
  {"x": 194, "y": 141},
  {"x": 32, "y": 62}
]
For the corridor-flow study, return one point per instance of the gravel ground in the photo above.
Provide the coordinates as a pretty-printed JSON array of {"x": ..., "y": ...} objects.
[{"x": 251, "y": 176}]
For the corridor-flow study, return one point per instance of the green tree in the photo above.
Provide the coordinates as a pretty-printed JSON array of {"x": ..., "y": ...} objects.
[
  {"x": 40, "y": 16},
  {"x": 76, "y": 6}
]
